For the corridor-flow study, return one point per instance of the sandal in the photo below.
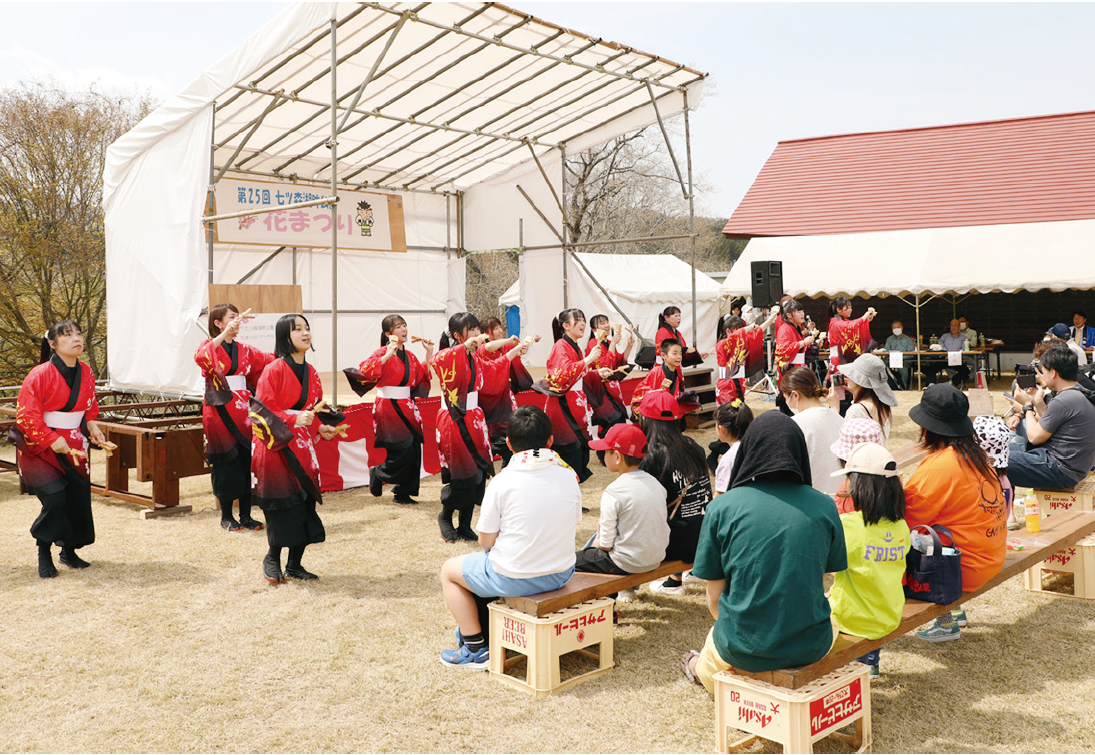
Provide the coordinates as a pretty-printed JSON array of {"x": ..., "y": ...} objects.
[{"x": 686, "y": 667}]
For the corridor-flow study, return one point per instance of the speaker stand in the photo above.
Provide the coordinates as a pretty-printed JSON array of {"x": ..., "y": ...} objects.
[{"x": 765, "y": 386}]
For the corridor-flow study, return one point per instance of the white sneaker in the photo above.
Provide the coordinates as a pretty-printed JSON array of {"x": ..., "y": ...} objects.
[
  {"x": 690, "y": 578},
  {"x": 659, "y": 587},
  {"x": 626, "y": 596}
]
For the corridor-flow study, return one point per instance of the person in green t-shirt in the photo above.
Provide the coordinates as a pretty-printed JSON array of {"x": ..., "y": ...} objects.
[
  {"x": 764, "y": 549},
  {"x": 867, "y": 598}
]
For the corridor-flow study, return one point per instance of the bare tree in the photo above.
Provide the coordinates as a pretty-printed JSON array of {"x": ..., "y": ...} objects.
[{"x": 53, "y": 145}]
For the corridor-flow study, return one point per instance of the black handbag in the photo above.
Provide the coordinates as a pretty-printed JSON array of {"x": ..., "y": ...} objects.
[{"x": 935, "y": 578}]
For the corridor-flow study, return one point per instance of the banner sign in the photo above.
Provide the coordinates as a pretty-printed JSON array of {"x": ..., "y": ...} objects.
[{"x": 365, "y": 220}]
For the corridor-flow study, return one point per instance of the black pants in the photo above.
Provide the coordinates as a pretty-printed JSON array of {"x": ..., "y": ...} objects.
[
  {"x": 295, "y": 526},
  {"x": 463, "y": 495},
  {"x": 65, "y": 518},
  {"x": 596, "y": 561},
  {"x": 577, "y": 456},
  {"x": 403, "y": 469}
]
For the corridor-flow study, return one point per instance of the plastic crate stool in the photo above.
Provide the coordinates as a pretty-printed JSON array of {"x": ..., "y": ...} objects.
[
  {"x": 1077, "y": 560},
  {"x": 544, "y": 640},
  {"x": 795, "y": 718},
  {"x": 1080, "y": 498}
]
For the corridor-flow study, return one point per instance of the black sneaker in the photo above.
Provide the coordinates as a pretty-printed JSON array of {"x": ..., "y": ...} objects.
[
  {"x": 231, "y": 525},
  {"x": 406, "y": 500},
  {"x": 299, "y": 572},
  {"x": 467, "y": 533},
  {"x": 46, "y": 569},
  {"x": 251, "y": 524},
  {"x": 271, "y": 569},
  {"x": 448, "y": 532},
  {"x": 71, "y": 560}
]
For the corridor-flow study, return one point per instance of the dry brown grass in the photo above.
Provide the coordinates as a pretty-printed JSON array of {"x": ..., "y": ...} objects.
[{"x": 172, "y": 642}]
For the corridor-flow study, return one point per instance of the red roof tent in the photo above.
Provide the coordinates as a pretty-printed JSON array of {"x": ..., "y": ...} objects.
[{"x": 1025, "y": 170}]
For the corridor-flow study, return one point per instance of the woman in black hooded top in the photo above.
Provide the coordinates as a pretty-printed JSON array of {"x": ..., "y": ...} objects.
[{"x": 765, "y": 547}]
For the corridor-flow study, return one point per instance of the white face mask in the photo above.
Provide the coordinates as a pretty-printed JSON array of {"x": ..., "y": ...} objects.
[
  {"x": 897, "y": 331},
  {"x": 961, "y": 326},
  {"x": 793, "y": 407}
]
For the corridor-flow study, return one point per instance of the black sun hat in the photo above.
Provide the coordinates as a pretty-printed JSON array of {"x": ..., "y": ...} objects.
[{"x": 943, "y": 410}]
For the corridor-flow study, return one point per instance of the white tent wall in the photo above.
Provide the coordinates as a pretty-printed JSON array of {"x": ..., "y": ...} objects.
[
  {"x": 494, "y": 209},
  {"x": 541, "y": 286}
]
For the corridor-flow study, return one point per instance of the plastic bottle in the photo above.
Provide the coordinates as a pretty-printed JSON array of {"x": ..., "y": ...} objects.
[{"x": 1034, "y": 514}]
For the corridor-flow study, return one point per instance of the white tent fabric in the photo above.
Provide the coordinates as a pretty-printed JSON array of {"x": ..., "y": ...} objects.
[
  {"x": 463, "y": 93},
  {"x": 982, "y": 259},
  {"x": 640, "y": 285},
  {"x": 512, "y": 296}
]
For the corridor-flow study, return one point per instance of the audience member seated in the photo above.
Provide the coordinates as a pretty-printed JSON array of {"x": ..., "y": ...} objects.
[
  {"x": 1059, "y": 333},
  {"x": 526, "y": 527},
  {"x": 852, "y": 433},
  {"x": 956, "y": 486},
  {"x": 867, "y": 598},
  {"x": 633, "y": 532},
  {"x": 970, "y": 334},
  {"x": 1054, "y": 445},
  {"x": 867, "y": 379},
  {"x": 820, "y": 423},
  {"x": 899, "y": 341},
  {"x": 955, "y": 340},
  {"x": 732, "y": 419},
  {"x": 1080, "y": 332},
  {"x": 765, "y": 548}
]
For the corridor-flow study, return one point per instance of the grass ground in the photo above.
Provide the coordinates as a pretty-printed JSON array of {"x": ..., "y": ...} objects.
[{"x": 173, "y": 642}]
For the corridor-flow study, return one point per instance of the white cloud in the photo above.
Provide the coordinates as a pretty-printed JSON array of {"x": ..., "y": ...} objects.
[{"x": 19, "y": 64}]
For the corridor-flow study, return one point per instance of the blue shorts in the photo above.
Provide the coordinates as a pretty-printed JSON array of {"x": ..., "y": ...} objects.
[{"x": 484, "y": 582}]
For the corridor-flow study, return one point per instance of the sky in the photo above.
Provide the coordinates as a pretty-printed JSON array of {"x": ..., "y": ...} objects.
[{"x": 778, "y": 71}]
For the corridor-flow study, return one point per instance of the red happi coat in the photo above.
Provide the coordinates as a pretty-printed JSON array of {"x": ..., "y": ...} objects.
[
  {"x": 569, "y": 412},
  {"x": 690, "y": 359},
  {"x": 655, "y": 380},
  {"x": 613, "y": 404},
  {"x": 787, "y": 346},
  {"x": 44, "y": 390},
  {"x": 462, "y": 438},
  {"x": 276, "y": 485},
  {"x": 741, "y": 348},
  {"x": 221, "y": 443},
  {"x": 397, "y": 423},
  {"x": 497, "y": 397},
  {"x": 849, "y": 337}
]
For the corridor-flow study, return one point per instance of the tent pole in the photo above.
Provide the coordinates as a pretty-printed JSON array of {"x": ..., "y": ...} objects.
[
  {"x": 919, "y": 375},
  {"x": 334, "y": 209},
  {"x": 209, "y": 198},
  {"x": 691, "y": 216},
  {"x": 566, "y": 225}
]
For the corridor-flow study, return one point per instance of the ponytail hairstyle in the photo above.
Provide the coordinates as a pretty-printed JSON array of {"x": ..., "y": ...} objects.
[
  {"x": 489, "y": 324},
  {"x": 461, "y": 322},
  {"x": 787, "y": 309},
  {"x": 283, "y": 338},
  {"x": 387, "y": 325},
  {"x": 217, "y": 313},
  {"x": 838, "y": 303},
  {"x": 566, "y": 316},
  {"x": 62, "y": 328},
  {"x": 727, "y": 325},
  {"x": 597, "y": 322},
  {"x": 735, "y": 416},
  {"x": 666, "y": 313},
  {"x": 802, "y": 379},
  {"x": 877, "y": 497}
]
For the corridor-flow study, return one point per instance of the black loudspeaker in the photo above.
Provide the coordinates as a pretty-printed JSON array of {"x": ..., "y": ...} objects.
[
  {"x": 647, "y": 355},
  {"x": 766, "y": 277}
]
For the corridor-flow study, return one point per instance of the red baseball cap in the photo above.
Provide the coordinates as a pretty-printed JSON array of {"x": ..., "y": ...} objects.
[
  {"x": 627, "y": 439},
  {"x": 662, "y": 405}
]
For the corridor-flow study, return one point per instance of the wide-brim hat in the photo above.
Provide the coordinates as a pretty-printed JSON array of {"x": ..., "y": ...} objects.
[
  {"x": 943, "y": 410},
  {"x": 994, "y": 436},
  {"x": 870, "y": 372}
]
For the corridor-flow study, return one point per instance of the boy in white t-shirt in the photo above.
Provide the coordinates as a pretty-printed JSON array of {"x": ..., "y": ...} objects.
[{"x": 526, "y": 527}]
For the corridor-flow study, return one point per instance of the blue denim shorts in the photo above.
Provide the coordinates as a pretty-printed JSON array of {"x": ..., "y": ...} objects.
[{"x": 484, "y": 582}]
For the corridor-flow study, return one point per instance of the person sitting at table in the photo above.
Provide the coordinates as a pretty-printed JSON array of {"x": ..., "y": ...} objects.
[
  {"x": 1059, "y": 333},
  {"x": 955, "y": 340},
  {"x": 970, "y": 334},
  {"x": 899, "y": 341},
  {"x": 1080, "y": 332}
]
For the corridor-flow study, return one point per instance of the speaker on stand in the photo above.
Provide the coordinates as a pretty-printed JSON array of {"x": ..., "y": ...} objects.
[{"x": 766, "y": 289}]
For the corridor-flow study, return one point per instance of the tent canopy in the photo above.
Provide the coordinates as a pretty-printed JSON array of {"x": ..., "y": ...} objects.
[
  {"x": 981, "y": 259},
  {"x": 465, "y": 111}
]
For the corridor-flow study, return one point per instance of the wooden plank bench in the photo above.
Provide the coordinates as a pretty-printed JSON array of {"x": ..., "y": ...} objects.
[
  {"x": 909, "y": 455},
  {"x": 803, "y": 704},
  {"x": 584, "y": 586}
]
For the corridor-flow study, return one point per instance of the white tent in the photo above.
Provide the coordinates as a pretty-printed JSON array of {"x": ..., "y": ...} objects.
[
  {"x": 960, "y": 260},
  {"x": 625, "y": 287},
  {"x": 461, "y": 112}
]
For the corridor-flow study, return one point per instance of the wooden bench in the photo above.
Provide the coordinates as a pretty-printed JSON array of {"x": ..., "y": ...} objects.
[
  {"x": 909, "y": 455},
  {"x": 545, "y": 627},
  {"x": 1058, "y": 532}
]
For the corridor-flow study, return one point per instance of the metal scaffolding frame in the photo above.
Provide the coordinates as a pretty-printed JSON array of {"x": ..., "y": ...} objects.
[{"x": 449, "y": 139}]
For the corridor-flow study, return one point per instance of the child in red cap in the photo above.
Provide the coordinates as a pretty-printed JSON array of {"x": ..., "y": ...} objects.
[{"x": 633, "y": 532}]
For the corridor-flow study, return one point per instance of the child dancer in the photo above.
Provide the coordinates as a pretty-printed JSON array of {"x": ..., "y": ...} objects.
[
  {"x": 666, "y": 375},
  {"x": 669, "y": 322},
  {"x": 462, "y": 440},
  {"x": 55, "y": 415},
  {"x": 231, "y": 370},
  {"x": 399, "y": 379},
  {"x": 739, "y": 353},
  {"x": 867, "y": 598}
]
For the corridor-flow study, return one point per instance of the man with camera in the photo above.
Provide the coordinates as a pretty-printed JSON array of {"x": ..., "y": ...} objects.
[{"x": 1054, "y": 445}]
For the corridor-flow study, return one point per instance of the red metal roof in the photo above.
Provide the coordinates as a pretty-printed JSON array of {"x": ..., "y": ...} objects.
[{"x": 1024, "y": 170}]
